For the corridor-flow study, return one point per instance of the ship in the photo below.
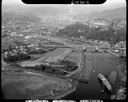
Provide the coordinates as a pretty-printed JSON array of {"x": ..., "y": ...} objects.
[{"x": 105, "y": 82}]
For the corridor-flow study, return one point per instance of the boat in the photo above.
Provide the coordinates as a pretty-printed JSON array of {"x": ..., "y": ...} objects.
[{"x": 105, "y": 81}]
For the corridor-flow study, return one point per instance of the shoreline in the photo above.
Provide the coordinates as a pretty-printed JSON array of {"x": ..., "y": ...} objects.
[
  {"x": 66, "y": 92},
  {"x": 58, "y": 95}
]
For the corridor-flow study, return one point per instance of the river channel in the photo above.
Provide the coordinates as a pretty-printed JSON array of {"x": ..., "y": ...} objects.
[{"x": 103, "y": 63}]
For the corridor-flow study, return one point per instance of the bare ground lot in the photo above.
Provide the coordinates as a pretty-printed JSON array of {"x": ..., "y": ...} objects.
[
  {"x": 52, "y": 56},
  {"x": 58, "y": 55},
  {"x": 21, "y": 85},
  {"x": 74, "y": 56}
]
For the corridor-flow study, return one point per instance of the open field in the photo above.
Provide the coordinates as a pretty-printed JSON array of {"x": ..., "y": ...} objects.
[
  {"x": 52, "y": 56},
  {"x": 21, "y": 85},
  {"x": 74, "y": 56},
  {"x": 58, "y": 55}
]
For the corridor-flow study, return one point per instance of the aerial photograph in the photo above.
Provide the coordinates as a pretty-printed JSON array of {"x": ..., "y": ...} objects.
[{"x": 63, "y": 51}]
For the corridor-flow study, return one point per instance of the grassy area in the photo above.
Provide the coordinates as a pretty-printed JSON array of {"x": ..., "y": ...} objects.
[
  {"x": 73, "y": 56},
  {"x": 51, "y": 56},
  {"x": 36, "y": 56},
  {"x": 21, "y": 85},
  {"x": 59, "y": 54}
]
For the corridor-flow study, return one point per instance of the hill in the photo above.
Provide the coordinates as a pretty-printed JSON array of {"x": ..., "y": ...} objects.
[
  {"x": 107, "y": 14},
  {"x": 112, "y": 14},
  {"x": 47, "y": 10}
]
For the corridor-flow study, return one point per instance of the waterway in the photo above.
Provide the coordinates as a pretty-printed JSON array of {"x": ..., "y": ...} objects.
[{"x": 103, "y": 63}]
